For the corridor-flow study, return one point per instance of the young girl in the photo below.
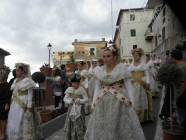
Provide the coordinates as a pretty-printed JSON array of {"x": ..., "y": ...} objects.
[{"x": 75, "y": 97}]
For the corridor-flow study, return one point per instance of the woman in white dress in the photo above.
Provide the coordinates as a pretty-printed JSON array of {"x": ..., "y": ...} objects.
[
  {"x": 23, "y": 122},
  {"x": 113, "y": 117},
  {"x": 142, "y": 99},
  {"x": 91, "y": 80},
  {"x": 83, "y": 71},
  {"x": 152, "y": 73}
]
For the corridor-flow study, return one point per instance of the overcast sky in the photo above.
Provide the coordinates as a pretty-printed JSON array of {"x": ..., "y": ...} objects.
[{"x": 27, "y": 26}]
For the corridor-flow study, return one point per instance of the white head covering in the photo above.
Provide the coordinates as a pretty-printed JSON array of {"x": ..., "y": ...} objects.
[
  {"x": 141, "y": 52},
  {"x": 26, "y": 68}
]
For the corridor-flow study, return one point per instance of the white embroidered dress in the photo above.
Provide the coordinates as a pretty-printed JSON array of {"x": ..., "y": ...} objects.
[
  {"x": 113, "y": 117},
  {"x": 142, "y": 97},
  {"x": 16, "y": 113},
  {"x": 140, "y": 100},
  {"x": 91, "y": 83},
  {"x": 152, "y": 73},
  {"x": 75, "y": 120}
]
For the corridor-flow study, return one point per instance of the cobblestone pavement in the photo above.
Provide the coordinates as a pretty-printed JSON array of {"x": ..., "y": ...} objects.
[{"x": 59, "y": 135}]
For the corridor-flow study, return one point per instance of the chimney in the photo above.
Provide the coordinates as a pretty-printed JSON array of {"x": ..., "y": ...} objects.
[{"x": 103, "y": 39}]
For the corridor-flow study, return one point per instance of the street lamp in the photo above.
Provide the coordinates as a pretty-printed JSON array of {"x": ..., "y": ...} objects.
[{"x": 49, "y": 48}]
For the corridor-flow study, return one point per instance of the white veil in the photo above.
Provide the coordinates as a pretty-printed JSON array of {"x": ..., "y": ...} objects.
[
  {"x": 26, "y": 68},
  {"x": 143, "y": 58}
]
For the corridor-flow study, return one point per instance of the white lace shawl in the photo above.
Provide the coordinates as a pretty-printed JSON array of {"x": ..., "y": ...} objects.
[{"x": 119, "y": 72}]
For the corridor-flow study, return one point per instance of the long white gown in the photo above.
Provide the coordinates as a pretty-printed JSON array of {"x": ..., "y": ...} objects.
[
  {"x": 142, "y": 99},
  {"x": 21, "y": 98},
  {"x": 113, "y": 117},
  {"x": 152, "y": 74},
  {"x": 91, "y": 83}
]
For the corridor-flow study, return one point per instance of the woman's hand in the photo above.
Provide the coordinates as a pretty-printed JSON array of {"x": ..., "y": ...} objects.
[
  {"x": 77, "y": 101},
  {"x": 29, "y": 109},
  {"x": 6, "y": 107},
  {"x": 147, "y": 86}
]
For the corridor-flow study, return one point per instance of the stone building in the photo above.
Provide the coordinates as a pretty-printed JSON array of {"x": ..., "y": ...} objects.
[
  {"x": 165, "y": 31},
  {"x": 3, "y": 53},
  {"x": 87, "y": 50},
  {"x": 131, "y": 27}
]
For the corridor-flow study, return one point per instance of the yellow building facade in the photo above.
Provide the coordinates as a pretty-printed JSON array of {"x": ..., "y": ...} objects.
[
  {"x": 88, "y": 50},
  {"x": 62, "y": 58}
]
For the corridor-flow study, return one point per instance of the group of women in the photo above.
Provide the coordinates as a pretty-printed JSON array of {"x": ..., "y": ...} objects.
[{"x": 119, "y": 97}]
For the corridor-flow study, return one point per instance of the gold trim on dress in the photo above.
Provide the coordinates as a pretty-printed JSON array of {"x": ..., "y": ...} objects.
[
  {"x": 22, "y": 93},
  {"x": 19, "y": 102},
  {"x": 137, "y": 77}
]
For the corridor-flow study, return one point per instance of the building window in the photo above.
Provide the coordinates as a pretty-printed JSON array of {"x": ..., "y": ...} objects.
[
  {"x": 163, "y": 34},
  {"x": 164, "y": 11},
  {"x": 151, "y": 29},
  {"x": 92, "y": 51},
  {"x": 130, "y": 61},
  {"x": 134, "y": 46},
  {"x": 156, "y": 41},
  {"x": 132, "y": 17},
  {"x": 163, "y": 19},
  {"x": 133, "y": 32}
]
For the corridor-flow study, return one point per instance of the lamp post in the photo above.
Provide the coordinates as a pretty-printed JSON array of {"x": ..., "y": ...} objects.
[{"x": 49, "y": 49}]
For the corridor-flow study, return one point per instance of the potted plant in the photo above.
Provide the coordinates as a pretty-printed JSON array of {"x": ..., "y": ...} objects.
[
  {"x": 170, "y": 76},
  {"x": 39, "y": 78}
]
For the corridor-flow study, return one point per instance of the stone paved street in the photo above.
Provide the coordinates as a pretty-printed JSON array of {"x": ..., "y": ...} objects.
[{"x": 59, "y": 135}]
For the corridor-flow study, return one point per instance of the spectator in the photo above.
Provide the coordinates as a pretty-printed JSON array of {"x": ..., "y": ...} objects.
[
  {"x": 57, "y": 87},
  {"x": 180, "y": 94},
  {"x": 65, "y": 83},
  {"x": 4, "y": 99},
  {"x": 12, "y": 80}
]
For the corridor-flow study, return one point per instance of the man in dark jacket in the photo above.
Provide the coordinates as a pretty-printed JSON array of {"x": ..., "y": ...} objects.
[{"x": 65, "y": 84}]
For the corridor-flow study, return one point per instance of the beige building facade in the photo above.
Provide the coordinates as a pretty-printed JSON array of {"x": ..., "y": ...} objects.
[
  {"x": 88, "y": 50},
  {"x": 62, "y": 58}
]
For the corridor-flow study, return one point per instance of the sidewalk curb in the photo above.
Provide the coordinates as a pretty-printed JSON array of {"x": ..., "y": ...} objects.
[{"x": 54, "y": 125}]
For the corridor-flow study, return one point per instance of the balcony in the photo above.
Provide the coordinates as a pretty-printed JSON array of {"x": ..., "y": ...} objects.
[{"x": 149, "y": 36}]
